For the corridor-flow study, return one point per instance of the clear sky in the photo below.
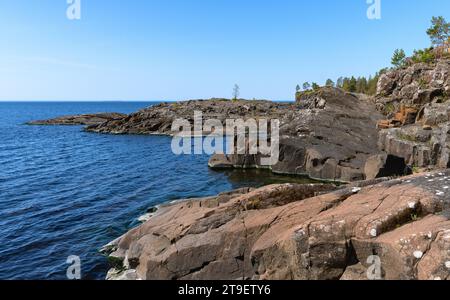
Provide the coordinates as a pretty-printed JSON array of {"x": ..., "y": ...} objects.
[{"x": 184, "y": 49}]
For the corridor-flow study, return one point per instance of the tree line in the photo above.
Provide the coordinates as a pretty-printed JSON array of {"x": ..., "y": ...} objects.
[
  {"x": 439, "y": 34},
  {"x": 362, "y": 84}
]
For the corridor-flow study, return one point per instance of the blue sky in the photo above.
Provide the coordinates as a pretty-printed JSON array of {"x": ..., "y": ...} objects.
[{"x": 185, "y": 49}]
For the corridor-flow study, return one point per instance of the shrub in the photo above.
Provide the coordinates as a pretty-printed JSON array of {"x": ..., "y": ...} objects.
[{"x": 424, "y": 56}]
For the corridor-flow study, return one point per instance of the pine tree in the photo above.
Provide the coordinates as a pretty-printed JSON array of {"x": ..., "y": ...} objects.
[
  {"x": 352, "y": 85},
  {"x": 399, "y": 57},
  {"x": 236, "y": 91},
  {"x": 315, "y": 86},
  {"x": 329, "y": 83},
  {"x": 439, "y": 31}
]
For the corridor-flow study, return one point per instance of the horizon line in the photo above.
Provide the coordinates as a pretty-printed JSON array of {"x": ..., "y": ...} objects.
[{"x": 170, "y": 101}]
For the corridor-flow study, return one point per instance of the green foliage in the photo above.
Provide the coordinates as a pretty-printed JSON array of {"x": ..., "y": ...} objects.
[
  {"x": 424, "y": 56},
  {"x": 315, "y": 86},
  {"x": 406, "y": 137},
  {"x": 350, "y": 84},
  {"x": 116, "y": 263},
  {"x": 297, "y": 88},
  {"x": 422, "y": 83},
  {"x": 306, "y": 86},
  {"x": 439, "y": 32},
  {"x": 329, "y": 82},
  {"x": 399, "y": 58},
  {"x": 389, "y": 108}
]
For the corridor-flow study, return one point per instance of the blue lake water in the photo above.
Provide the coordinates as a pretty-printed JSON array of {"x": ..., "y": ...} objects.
[{"x": 66, "y": 192}]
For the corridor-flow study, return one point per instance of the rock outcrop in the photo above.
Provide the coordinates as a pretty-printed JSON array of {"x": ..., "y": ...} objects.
[
  {"x": 416, "y": 85},
  {"x": 420, "y": 93},
  {"x": 87, "y": 119},
  {"x": 158, "y": 119},
  {"x": 330, "y": 135},
  {"x": 298, "y": 232}
]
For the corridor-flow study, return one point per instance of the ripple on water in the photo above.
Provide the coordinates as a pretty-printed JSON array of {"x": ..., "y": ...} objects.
[{"x": 67, "y": 192}]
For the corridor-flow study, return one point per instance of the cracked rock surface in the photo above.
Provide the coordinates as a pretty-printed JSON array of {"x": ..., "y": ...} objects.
[
  {"x": 298, "y": 232},
  {"x": 424, "y": 141},
  {"x": 329, "y": 136}
]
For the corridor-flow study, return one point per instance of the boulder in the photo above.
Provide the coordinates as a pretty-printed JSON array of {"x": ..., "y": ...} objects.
[{"x": 374, "y": 165}]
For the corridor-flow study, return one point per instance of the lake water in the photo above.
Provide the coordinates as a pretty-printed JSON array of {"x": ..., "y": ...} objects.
[{"x": 66, "y": 192}]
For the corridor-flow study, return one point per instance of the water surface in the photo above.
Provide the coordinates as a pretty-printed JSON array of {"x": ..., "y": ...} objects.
[{"x": 66, "y": 192}]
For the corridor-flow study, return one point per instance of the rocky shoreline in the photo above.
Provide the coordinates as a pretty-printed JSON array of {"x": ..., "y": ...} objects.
[
  {"x": 86, "y": 119},
  {"x": 308, "y": 232},
  {"x": 323, "y": 231},
  {"x": 327, "y": 135}
]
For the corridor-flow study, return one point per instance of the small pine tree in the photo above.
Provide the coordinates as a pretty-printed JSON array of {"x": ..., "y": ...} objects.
[
  {"x": 236, "y": 91},
  {"x": 297, "y": 88},
  {"x": 399, "y": 57},
  {"x": 306, "y": 86},
  {"x": 340, "y": 82},
  {"x": 361, "y": 85},
  {"x": 315, "y": 86},
  {"x": 330, "y": 83},
  {"x": 352, "y": 85}
]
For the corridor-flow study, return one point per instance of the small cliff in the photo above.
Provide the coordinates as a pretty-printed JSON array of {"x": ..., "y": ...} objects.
[
  {"x": 415, "y": 100},
  {"x": 329, "y": 135}
]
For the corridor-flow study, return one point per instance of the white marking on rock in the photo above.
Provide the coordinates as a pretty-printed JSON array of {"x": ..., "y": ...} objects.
[
  {"x": 374, "y": 232},
  {"x": 447, "y": 264},
  {"x": 356, "y": 190},
  {"x": 301, "y": 232},
  {"x": 418, "y": 254},
  {"x": 439, "y": 193},
  {"x": 412, "y": 205}
]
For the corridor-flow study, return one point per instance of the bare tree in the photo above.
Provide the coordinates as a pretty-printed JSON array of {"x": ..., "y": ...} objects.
[{"x": 236, "y": 90}]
